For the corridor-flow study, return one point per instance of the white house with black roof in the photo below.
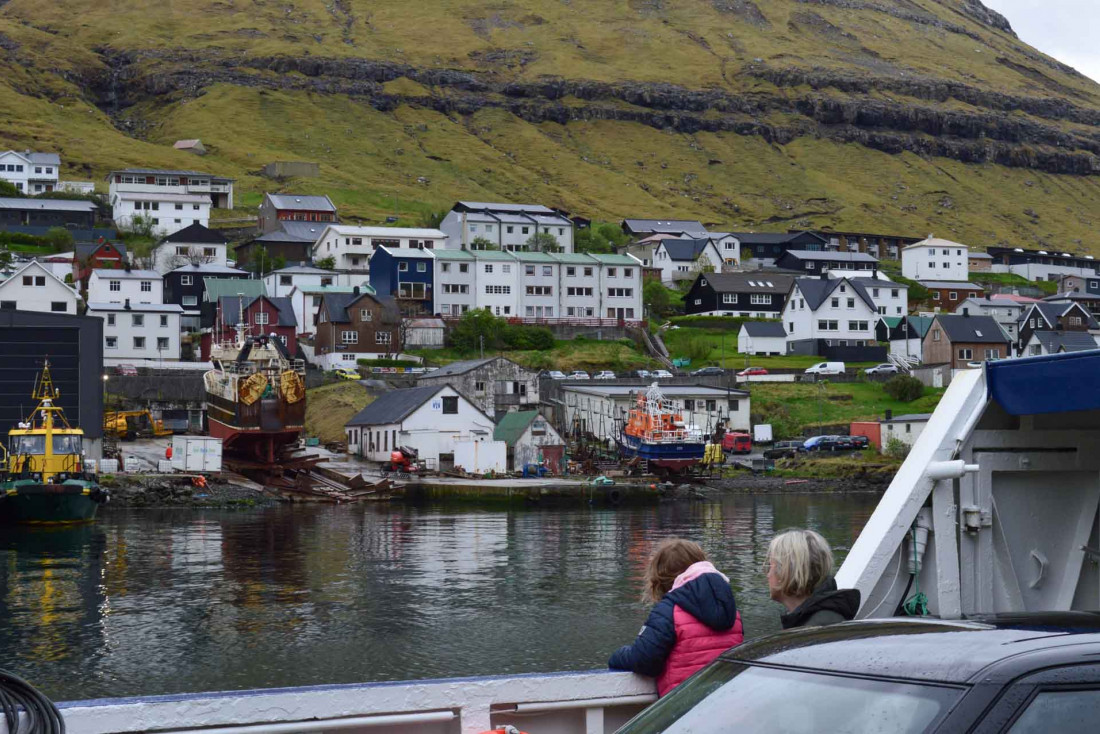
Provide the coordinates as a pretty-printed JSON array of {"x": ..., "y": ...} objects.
[
  {"x": 192, "y": 245},
  {"x": 1054, "y": 316},
  {"x": 765, "y": 248},
  {"x": 681, "y": 259},
  {"x": 430, "y": 419},
  {"x": 752, "y": 294},
  {"x": 34, "y": 287},
  {"x": 855, "y": 264},
  {"x": 762, "y": 338},
  {"x": 837, "y": 310},
  {"x": 1057, "y": 342},
  {"x": 507, "y": 226}
]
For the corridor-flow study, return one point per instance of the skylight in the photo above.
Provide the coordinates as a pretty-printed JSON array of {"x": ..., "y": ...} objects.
[
  {"x": 770, "y": 284},
  {"x": 978, "y": 332}
]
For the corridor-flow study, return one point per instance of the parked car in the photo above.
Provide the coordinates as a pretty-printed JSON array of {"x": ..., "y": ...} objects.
[
  {"x": 347, "y": 373},
  {"x": 784, "y": 450},
  {"x": 556, "y": 375},
  {"x": 737, "y": 443},
  {"x": 860, "y": 442},
  {"x": 824, "y": 443},
  {"x": 644, "y": 374},
  {"x": 752, "y": 371},
  {"x": 826, "y": 368},
  {"x": 661, "y": 374},
  {"x": 1022, "y": 672},
  {"x": 604, "y": 375},
  {"x": 578, "y": 375},
  {"x": 881, "y": 369},
  {"x": 126, "y": 369},
  {"x": 704, "y": 371}
]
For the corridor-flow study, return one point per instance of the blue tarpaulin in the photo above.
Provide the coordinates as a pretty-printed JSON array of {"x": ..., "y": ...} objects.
[{"x": 1057, "y": 383}]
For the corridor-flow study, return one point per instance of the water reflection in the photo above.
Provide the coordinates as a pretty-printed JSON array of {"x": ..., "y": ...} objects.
[{"x": 149, "y": 602}]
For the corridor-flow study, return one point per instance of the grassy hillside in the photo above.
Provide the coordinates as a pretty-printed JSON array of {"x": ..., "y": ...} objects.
[
  {"x": 408, "y": 106},
  {"x": 329, "y": 407}
]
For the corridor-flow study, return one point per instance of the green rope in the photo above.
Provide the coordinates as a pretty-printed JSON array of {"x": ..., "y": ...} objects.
[{"x": 917, "y": 604}]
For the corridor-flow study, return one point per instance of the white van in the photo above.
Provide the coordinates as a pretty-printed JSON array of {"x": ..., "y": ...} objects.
[{"x": 826, "y": 368}]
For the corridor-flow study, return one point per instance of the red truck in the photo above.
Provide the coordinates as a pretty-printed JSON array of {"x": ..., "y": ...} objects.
[{"x": 737, "y": 443}]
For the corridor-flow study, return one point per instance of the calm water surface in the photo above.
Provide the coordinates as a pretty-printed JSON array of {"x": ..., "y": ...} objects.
[{"x": 167, "y": 601}]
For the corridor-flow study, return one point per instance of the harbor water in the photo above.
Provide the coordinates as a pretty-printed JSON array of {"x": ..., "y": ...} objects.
[{"x": 165, "y": 601}]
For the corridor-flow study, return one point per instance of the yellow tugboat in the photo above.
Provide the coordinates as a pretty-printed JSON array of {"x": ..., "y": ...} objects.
[{"x": 44, "y": 478}]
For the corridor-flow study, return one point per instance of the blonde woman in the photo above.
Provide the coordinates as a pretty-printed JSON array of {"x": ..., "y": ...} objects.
[{"x": 800, "y": 577}]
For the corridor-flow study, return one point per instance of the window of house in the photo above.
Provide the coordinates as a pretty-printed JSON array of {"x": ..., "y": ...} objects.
[
  {"x": 952, "y": 296},
  {"x": 421, "y": 267},
  {"x": 138, "y": 319},
  {"x": 261, "y": 318},
  {"x": 528, "y": 269},
  {"x": 488, "y": 268},
  {"x": 473, "y": 227},
  {"x": 58, "y": 306},
  {"x": 489, "y": 228},
  {"x": 146, "y": 286},
  {"x": 966, "y": 354},
  {"x": 1074, "y": 320},
  {"x": 611, "y": 272},
  {"x": 402, "y": 267},
  {"x": 285, "y": 280},
  {"x": 162, "y": 343},
  {"x": 139, "y": 342},
  {"x": 935, "y": 335},
  {"x": 381, "y": 337},
  {"x": 111, "y": 342},
  {"x": 114, "y": 285},
  {"x": 935, "y": 295},
  {"x": 366, "y": 314},
  {"x": 187, "y": 280},
  {"x": 711, "y": 405},
  {"x": 547, "y": 270},
  {"x": 463, "y": 268},
  {"x": 834, "y": 302},
  {"x": 524, "y": 230},
  {"x": 110, "y": 319},
  {"x": 164, "y": 320},
  {"x": 993, "y": 354},
  {"x": 729, "y": 298},
  {"x": 1036, "y": 349},
  {"x": 760, "y": 299},
  {"x": 511, "y": 229},
  {"x": 190, "y": 300},
  {"x": 325, "y": 282},
  {"x": 628, "y": 272},
  {"x": 479, "y": 386},
  {"x": 450, "y": 405},
  {"x": 179, "y": 207},
  {"x": 445, "y": 267},
  {"x": 689, "y": 404},
  {"x": 893, "y": 292},
  {"x": 349, "y": 337}
]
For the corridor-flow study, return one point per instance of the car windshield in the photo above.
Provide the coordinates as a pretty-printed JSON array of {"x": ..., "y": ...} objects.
[{"x": 731, "y": 697}]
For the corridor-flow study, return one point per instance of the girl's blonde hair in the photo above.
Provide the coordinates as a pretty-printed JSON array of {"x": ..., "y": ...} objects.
[
  {"x": 802, "y": 561},
  {"x": 670, "y": 559}
]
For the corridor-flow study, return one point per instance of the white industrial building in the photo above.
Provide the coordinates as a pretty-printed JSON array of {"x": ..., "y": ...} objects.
[
  {"x": 119, "y": 286},
  {"x": 431, "y": 419},
  {"x": 32, "y": 173},
  {"x": 507, "y": 226},
  {"x": 935, "y": 259},
  {"x": 601, "y": 409},
  {"x": 139, "y": 331},
  {"x": 35, "y": 288}
]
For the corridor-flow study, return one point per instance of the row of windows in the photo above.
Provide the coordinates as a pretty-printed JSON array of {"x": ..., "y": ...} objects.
[
  {"x": 834, "y": 325},
  {"x": 116, "y": 286},
  {"x": 510, "y": 229},
  {"x": 454, "y": 309},
  {"x": 206, "y": 251},
  {"x": 989, "y": 354},
  {"x": 111, "y": 342},
  {"x": 138, "y": 319},
  {"x": 540, "y": 290},
  {"x": 352, "y": 337},
  {"x": 456, "y": 288},
  {"x": 499, "y": 290},
  {"x": 403, "y": 267},
  {"x": 620, "y": 292},
  {"x": 571, "y": 291},
  {"x": 55, "y": 306}
]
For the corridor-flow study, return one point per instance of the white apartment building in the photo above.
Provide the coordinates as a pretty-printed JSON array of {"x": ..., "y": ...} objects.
[
  {"x": 34, "y": 288},
  {"x": 281, "y": 282},
  {"x": 836, "y": 309},
  {"x": 32, "y": 173},
  {"x": 173, "y": 200},
  {"x": 141, "y": 331},
  {"x": 351, "y": 246},
  {"x": 120, "y": 286},
  {"x": 455, "y": 282},
  {"x": 192, "y": 245},
  {"x": 508, "y": 226},
  {"x": 936, "y": 259}
]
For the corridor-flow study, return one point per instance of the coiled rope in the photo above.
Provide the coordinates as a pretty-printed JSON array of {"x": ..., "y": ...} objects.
[{"x": 18, "y": 696}]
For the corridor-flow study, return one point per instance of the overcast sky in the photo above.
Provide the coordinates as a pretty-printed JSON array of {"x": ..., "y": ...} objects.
[{"x": 1064, "y": 29}]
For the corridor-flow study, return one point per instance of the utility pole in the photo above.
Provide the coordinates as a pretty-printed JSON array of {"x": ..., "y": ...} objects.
[{"x": 481, "y": 341}]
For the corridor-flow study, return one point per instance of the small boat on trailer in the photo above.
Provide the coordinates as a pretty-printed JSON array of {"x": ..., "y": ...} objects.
[{"x": 655, "y": 431}]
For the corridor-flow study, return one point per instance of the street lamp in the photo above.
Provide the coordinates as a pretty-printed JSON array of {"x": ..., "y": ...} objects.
[{"x": 105, "y": 378}]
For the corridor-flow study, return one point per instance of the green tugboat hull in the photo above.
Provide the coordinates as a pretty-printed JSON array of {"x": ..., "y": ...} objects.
[{"x": 27, "y": 502}]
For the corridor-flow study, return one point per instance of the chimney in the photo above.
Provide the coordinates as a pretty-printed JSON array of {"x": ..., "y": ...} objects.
[
  {"x": 356, "y": 290},
  {"x": 824, "y": 275},
  {"x": 127, "y": 306}
]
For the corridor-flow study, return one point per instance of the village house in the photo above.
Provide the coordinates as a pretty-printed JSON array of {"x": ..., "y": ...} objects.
[
  {"x": 1057, "y": 342},
  {"x": 408, "y": 276},
  {"x": 278, "y": 208},
  {"x": 1005, "y": 313},
  {"x": 495, "y": 384},
  {"x": 291, "y": 241},
  {"x": 32, "y": 173},
  {"x": 531, "y": 440},
  {"x": 904, "y": 428},
  {"x": 281, "y": 282},
  {"x": 753, "y": 294},
  {"x": 1080, "y": 284},
  {"x": 903, "y": 334},
  {"x": 947, "y": 295},
  {"x": 764, "y": 249},
  {"x": 36, "y": 216},
  {"x": 810, "y": 262},
  {"x": 192, "y": 245},
  {"x": 962, "y": 339},
  {"x": 644, "y": 248},
  {"x": 169, "y": 200},
  {"x": 681, "y": 228},
  {"x": 456, "y": 273},
  {"x": 433, "y": 420},
  {"x": 186, "y": 287},
  {"x": 306, "y": 302},
  {"x": 258, "y": 315},
  {"x": 1091, "y": 301},
  {"x": 683, "y": 259},
  {"x": 59, "y": 263},
  {"x": 507, "y": 226},
  {"x": 354, "y": 326},
  {"x": 891, "y": 298},
  {"x": 979, "y": 262},
  {"x": 139, "y": 331},
  {"x": 214, "y": 288},
  {"x": 1054, "y": 316},
  {"x": 935, "y": 259},
  {"x": 600, "y": 409},
  {"x": 101, "y": 255},
  {"x": 117, "y": 286},
  {"x": 34, "y": 288},
  {"x": 881, "y": 246},
  {"x": 762, "y": 338},
  {"x": 351, "y": 247},
  {"x": 837, "y": 310},
  {"x": 1041, "y": 264}
]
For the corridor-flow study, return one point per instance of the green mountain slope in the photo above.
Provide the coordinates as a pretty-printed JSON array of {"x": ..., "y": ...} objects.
[{"x": 906, "y": 116}]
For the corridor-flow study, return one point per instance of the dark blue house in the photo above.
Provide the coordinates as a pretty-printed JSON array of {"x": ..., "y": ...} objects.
[{"x": 407, "y": 275}]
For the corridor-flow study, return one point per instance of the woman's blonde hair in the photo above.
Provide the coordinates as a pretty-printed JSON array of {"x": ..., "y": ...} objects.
[
  {"x": 670, "y": 559},
  {"x": 802, "y": 561}
]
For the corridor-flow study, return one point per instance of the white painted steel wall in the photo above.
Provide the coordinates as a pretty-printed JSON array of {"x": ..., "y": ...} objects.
[{"x": 480, "y": 457}]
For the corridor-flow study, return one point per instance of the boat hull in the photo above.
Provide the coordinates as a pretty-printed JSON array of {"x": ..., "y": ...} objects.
[
  {"x": 253, "y": 443},
  {"x": 27, "y": 502},
  {"x": 672, "y": 456}
]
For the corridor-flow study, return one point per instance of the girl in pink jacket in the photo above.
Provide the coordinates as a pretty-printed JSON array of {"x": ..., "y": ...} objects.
[{"x": 695, "y": 618}]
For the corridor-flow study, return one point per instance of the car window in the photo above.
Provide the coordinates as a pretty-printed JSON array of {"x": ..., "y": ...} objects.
[
  {"x": 727, "y": 697},
  {"x": 1066, "y": 712}
]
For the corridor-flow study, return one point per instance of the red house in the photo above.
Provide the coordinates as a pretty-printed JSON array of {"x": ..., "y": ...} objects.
[
  {"x": 277, "y": 208},
  {"x": 258, "y": 315},
  {"x": 97, "y": 255}
]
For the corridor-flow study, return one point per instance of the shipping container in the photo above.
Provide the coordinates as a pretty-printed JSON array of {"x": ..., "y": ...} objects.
[{"x": 197, "y": 453}]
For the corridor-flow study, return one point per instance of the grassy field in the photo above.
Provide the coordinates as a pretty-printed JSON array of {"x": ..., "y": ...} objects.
[
  {"x": 579, "y": 354},
  {"x": 719, "y": 345},
  {"x": 792, "y": 408},
  {"x": 329, "y": 407}
]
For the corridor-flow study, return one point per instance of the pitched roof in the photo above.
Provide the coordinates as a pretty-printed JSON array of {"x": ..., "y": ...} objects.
[
  {"x": 684, "y": 249},
  {"x": 84, "y": 249},
  {"x": 47, "y": 205},
  {"x": 909, "y": 418},
  {"x": 931, "y": 241},
  {"x": 976, "y": 329},
  {"x": 1051, "y": 311},
  {"x": 979, "y": 256},
  {"x": 196, "y": 234},
  {"x": 123, "y": 274},
  {"x": 764, "y": 328},
  {"x": 44, "y": 269},
  {"x": 137, "y": 307},
  {"x": 816, "y": 290},
  {"x": 771, "y": 238},
  {"x": 298, "y": 201},
  {"x": 300, "y": 270},
  {"x": 292, "y": 232},
  {"x": 956, "y": 285},
  {"x": 460, "y": 368},
  {"x": 920, "y": 324},
  {"x": 848, "y": 257},
  {"x": 670, "y": 226},
  {"x": 762, "y": 282},
  {"x": 498, "y": 207},
  {"x": 1065, "y": 341},
  {"x": 512, "y": 425},
  {"x": 232, "y": 306},
  {"x": 168, "y": 172},
  {"x": 209, "y": 269},
  {"x": 44, "y": 159},
  {"x": 394, "y": 406},
  {"x": 215, "y": 288}
]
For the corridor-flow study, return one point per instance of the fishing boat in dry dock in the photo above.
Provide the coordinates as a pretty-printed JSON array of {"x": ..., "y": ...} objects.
[
  {"x": 44, "y": 477},
  {"x": 655, "y": 431}
]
